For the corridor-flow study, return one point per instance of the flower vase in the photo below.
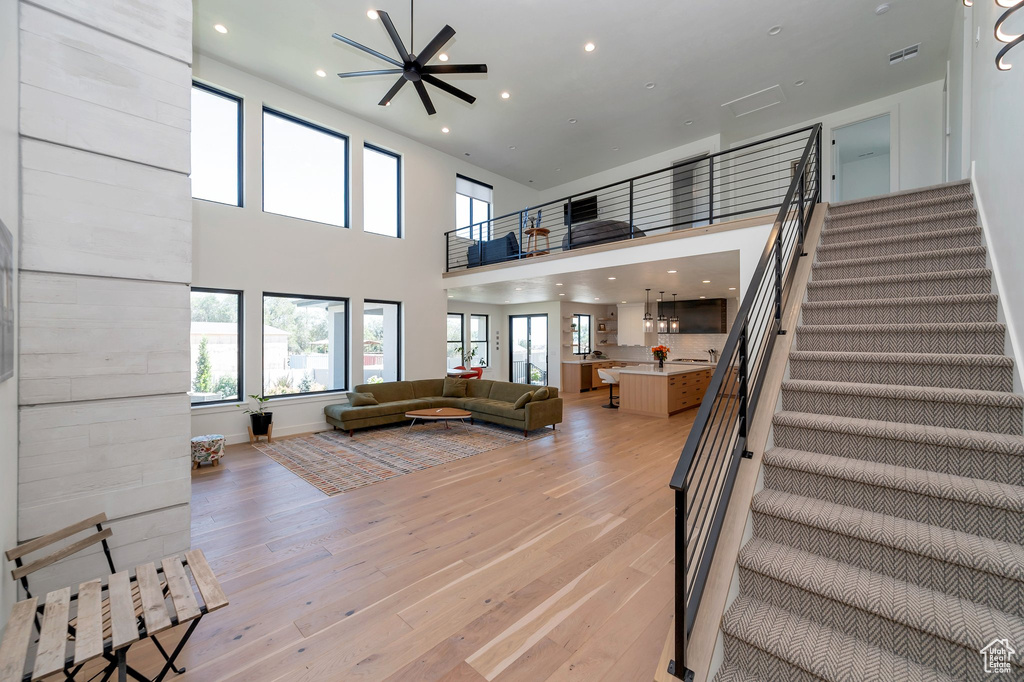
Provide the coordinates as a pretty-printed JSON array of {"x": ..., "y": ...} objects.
[{"x": 661, "y": 363}]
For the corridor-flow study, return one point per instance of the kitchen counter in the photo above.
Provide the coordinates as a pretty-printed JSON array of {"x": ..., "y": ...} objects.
[
  {"x": 671, "y": 369},
  {"x": 663, "y": 392}
]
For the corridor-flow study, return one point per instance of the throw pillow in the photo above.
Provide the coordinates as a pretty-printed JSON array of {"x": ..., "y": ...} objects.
[
  {"x": 361, "y": 399},
  {"x": 523, "y": 399},
  {"x": 454, "y": 388},
  {"x": 541, "y": 394}
]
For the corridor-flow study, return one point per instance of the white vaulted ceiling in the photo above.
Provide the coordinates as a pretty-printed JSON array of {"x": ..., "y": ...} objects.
[{"x": 701, "y": 54}]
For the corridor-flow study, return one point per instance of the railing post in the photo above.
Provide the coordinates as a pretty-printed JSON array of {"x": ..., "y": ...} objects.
[
  {"x": 677, "y": 666},
  {"x": 802, "y": 225},
  {"x": 448, "y": 253},
  {"x": 711, "y": 190},
  {"x": 744, "y": 381},
  {"x": 778, "y": 276},
  {"x": 522, "y": 221},
  {"x": 630, "y": 209},
  {"x": 817, "y": 166},
  {"x": 568, "y": 219}
]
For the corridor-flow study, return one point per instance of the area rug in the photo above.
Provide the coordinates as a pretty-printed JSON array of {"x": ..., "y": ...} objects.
[{"x": 335, "y": 463}]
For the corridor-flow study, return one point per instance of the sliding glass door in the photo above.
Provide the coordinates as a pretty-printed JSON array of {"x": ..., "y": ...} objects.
[{"x": 528, "y": 349}]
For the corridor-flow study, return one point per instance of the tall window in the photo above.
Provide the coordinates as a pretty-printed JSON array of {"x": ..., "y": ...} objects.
[
  {"x": 472, "y": 208},
  {"x": 216, "y": 343},
  {"x": 305, "y": 170},
  {"x": 382, "y": 341},
  {"x": 478, "y": 340},
  {"x": 382, "y": 195},
  {"x": 305, "y": 344},
  {"x": 455, "y": 339},
  {"x": 581, "y": 334},
  {"x": 216, "y": 146}
]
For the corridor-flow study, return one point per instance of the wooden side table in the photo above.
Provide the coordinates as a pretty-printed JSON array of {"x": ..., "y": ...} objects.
[{"x": 533, "y": 237}]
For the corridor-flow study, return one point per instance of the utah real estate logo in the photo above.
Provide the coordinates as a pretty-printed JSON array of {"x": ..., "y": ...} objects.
[{"x": 997, "y": 656}]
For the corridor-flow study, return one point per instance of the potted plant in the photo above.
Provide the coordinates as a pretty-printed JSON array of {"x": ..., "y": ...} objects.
[
  {"x": 467, "y": 355},
  {"x": 259, "y": 418}
]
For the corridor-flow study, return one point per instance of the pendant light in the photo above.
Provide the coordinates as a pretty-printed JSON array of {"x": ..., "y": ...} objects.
[
  {"x": 662, "y": 320},
  {"x": 648, "y": 320},
  {"x": 673, "y": 322}
]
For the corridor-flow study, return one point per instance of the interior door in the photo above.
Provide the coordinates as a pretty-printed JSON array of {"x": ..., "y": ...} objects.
[
  {"x": 528, "y": 350},
  {"x": 861, "y": 159}
]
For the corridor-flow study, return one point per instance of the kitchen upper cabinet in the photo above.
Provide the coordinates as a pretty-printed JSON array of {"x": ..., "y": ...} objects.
[{"x": 631, "y": 324}]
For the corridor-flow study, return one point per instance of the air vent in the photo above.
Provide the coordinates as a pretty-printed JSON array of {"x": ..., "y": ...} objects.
[
  {"x": 904, "y": 54},
  {"x": 757, "y": 101}
]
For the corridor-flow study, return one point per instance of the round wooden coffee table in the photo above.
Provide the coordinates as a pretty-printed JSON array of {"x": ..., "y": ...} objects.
[{"x": 442, "y": 414}]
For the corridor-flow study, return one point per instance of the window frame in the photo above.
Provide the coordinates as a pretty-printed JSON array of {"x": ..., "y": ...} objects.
[
  {"x": 239, "y": 134},
  {"x": 490, "y": 210},
  {"x": 487, "y": 335},
  {"x": 577, "y": 346},
  {"x": 462, "y": 334},
  {"x": 399, "y": 227},
  {"x": 319, "y": 128},
  {"x": 241, "y": 344},
  {"x": 348, "y": 343},
  {"x": 401, "y": 330}
]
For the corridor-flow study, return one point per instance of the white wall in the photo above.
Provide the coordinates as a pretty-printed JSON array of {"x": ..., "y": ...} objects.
[
  {"x": 244, "y": 248},
  {"x": 9, "y": 215},
  {"x": 959, "y": 86}
]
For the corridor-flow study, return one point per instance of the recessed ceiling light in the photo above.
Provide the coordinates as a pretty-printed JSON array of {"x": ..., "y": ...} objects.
[
  {"x": 512, "y": 147},
  {"x": 446, "y": 131},
  {"x": 882, "y": 9},
  {"x": 623, "y": 301},
  {"x": 589, "y": 47},
  {"x": 372, "y": 14},
  {"x": 505, "y": 95},
  {"x": 732, "y": 288},
  {"x": 220, "y": 28},
  {"x": 558, "y": 284},
  {"x": 507, "y": 301},
  {"x": 799, "y": 82},
  {"x": 321, "y": 73},
  {"x": 703, "y": 296},
  {"x": 706, "y": 281},
  {"x": 658, "y": 300},
  {"x": 650, "y": 85},
  {"x": 597, "y": 299},
  {"x": 519, "y": 288},
  {"x": 557, "y": 169},
  {"x": 450, "y": 296},
  {"x": 442, "y": 57},
  {"x": 672, "y": 272},
  {"x": 688, "y": 123},
  {"x": 572, "y": 120},
  {"x": 611, "y": 278},
  {"x": 561, "y": 294},
  {"x": 775, "y": 30},
  {"x": 615, "y": 149}
]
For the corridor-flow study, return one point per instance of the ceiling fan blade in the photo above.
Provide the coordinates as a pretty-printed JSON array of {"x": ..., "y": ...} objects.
[
  {"x": 432, "y": 48},
  {"x": 378, "y": 72},
  {"x": 451, "y": 90},
  {"x": 427, "y": 104},
  {"x": 393, "y": 91},
  {"x": 368, "y": 50},
  {"x": 455, "y": 68},
  {"x": 395, "y": 38}
]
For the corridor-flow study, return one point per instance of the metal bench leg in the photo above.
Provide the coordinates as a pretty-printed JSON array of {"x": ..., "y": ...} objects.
[
  {"x": 167, "y": 658},
  {"x": 177, "y": 650}
]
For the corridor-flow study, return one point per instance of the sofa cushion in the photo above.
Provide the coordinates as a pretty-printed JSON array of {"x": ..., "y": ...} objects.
[
  {"x": 460, "y": 403},
  {"x": 478, "y": 388},
  {"x": 523, "y": 399},
  {"x": 541, "y": 394},
  {"x": 500, "y": 408},
  {"x": 399, "y": 407},
  {"x": 389, "y": 391},
  {"x": 507, "y": 391},
  {"x": 361, "y": 399},
  {"x": 454, "y": 388},
  {"x": 427, "y": 388}
]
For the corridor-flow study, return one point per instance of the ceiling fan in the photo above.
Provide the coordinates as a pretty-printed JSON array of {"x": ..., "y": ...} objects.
[{"x": 414, "y": 67}]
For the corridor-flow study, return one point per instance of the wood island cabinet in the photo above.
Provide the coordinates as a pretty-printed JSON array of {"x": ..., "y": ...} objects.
[{"x": 662, "y": 395}]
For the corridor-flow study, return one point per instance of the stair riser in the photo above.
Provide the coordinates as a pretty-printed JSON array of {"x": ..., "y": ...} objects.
[
  {"x": 999, "y": 524},
  {"x": 762, "y": 665},
  {"x": 898, "y": 201},
  {"x": 895, "y": 290},
  {"x": 924, "y": 341},
  {"x": 958, "y": 662},
  {"x": 882, "y": 228},
  {"x": 981, "y": 377},
  {"x": 905, "y": 410},
  {"x": 902, "y": 313},
  {"x": 939, "y": 262},
  {"x": 907, "y": 210},
  {"x": 952, "y": 460},
  {"x": 933, "y": 242},
  {"x": 960, "y": 581}
]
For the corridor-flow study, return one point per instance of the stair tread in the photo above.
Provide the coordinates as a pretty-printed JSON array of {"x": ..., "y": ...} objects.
[
  {"x": 818, "y": 649},
  {"x": 897, "y": 257},
  {"x": 965, "y": 396},
  {"x": 899, "y": 238},
  {"x": 896, "y": 279},
  {"x": 904, "y": 358},
  {"x": 953, "y": 619},
  {"x": 934, "y": 484},
  {"x": 906, "y": 301},
  {"x": 983, "y": 441},
  {"x": 921, "y": 327},
  {"x": 911, "y": 220},
  {"x": 943, "y": 544},
  {"x": 921, "y": 203},
  {"x": 907, "y": 193},
  {"x": 731, "y": 673}
]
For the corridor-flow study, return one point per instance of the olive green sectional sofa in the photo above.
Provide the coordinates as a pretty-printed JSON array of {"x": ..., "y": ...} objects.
[{"x": 490, "y": 401}]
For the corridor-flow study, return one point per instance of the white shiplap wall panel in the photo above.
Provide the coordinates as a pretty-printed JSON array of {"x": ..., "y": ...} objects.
[
  {"x": 96, "y": 215},
  {"x": 164, "y": 26}
]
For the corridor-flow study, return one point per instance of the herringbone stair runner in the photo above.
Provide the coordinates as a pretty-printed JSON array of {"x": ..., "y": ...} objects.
[{"x": 888, "y": 538}]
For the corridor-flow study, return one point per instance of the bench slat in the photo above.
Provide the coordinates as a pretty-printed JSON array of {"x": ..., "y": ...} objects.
[
  {"x": 154, "y": 610},
  {"x": 50, "y": 538},
  {"x": 208, "y": 584},
  {"x": 14, "y": 648},
  {"x": 89, "y": 623},
  {"x": 53, "y": 634},
  {"x": 185, "y": 603},
  {"x": 22, "y": 571},
  {"x": 123, "y": 628}
]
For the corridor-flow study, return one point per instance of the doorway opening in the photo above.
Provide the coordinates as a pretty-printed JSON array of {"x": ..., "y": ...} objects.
[
  {"x": 861, "y": 159},
  {"x": 528, "y": 350}
]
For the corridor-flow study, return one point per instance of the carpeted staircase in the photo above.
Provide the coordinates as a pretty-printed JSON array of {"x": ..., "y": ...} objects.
[{"x": 887, "y": 539}]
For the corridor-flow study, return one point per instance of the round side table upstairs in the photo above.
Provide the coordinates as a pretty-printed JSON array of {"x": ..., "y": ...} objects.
[{"x": 533, "y": 237}]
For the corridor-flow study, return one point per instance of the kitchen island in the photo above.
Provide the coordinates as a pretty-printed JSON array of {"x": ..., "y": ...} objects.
[{"x": 663, "y": 392}]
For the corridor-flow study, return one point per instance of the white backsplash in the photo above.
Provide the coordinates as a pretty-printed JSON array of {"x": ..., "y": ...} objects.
[{"x": 686, "y": 346}]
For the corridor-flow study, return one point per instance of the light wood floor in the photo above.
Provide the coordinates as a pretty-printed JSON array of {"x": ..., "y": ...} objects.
[{"x": 546, "y": 560}]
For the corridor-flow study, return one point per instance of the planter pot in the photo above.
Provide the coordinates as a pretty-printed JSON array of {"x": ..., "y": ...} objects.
[{"x": 261, "y": 423}]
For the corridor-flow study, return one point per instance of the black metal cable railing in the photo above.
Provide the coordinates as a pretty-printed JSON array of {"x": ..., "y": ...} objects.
[
  {"x": 706, "y": 472},
  {"x": 746, "y": 180}
]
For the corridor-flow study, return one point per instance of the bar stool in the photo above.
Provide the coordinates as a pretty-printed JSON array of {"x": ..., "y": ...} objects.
[{"x": 610, "y": 377}]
